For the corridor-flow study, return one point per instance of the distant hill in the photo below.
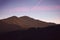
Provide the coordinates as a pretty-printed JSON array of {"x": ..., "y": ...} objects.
[
  {"x": 26, "y": 22},
  {"x": 12, "y": 29},
  {"x": 4, "y": 27}
]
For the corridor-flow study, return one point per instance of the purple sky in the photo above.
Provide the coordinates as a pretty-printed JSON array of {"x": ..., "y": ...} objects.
[{"x": 46, "y": 10}]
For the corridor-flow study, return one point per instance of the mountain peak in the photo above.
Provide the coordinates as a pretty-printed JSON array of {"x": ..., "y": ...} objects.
[
  {"x": 14, "y": 17},
  {"x": 25, "y": 17}
]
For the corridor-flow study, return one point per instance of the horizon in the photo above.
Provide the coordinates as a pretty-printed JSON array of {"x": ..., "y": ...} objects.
[
  {"x": 30, "y": 17},
  {"x": 45, "y": 10}
]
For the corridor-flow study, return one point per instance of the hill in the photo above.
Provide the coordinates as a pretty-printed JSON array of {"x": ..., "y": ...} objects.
[
  {"x": 4, "y": 27},
  {"x": 26, "y": 22}
]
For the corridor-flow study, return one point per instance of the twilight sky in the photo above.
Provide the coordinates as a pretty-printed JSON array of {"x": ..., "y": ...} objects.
[{"x": 45, "y": 10}]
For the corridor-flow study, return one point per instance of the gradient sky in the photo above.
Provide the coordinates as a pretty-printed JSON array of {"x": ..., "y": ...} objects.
[{"x": 45, "y": 10}]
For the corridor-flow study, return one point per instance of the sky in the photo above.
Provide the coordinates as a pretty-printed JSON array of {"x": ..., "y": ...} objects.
[{"x": 45, "y": 10}]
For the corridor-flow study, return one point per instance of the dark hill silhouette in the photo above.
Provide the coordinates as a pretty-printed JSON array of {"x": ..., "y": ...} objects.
[
  {"x": 26, "y": 22},
  {"x": 12, "y": 29},
  {"x": 48, "y": 33},
  {"x": 4, "y": 27}
]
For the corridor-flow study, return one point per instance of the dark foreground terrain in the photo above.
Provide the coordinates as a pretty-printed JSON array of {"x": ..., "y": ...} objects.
[{"x": 48, "y": 33}]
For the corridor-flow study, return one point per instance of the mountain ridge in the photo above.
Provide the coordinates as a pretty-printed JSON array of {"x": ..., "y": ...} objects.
[{"x": 26, "y": 22}]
